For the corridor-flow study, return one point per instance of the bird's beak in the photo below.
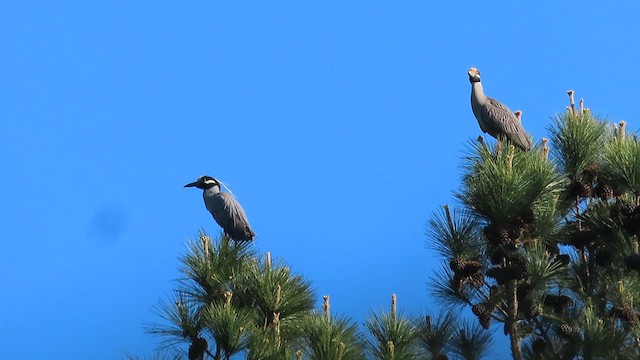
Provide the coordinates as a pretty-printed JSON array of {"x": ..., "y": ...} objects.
[{"x": 195, "y": 183}]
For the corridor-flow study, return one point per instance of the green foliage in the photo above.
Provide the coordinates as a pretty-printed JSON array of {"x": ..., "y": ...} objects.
[
  {"x": 471, "y": 342},
  {"x": 228, "y": 326},
  {"x": 434, "y": 334},
  {"x": 183, "y": 315},
  {"x": 332, "y": 339},
  {"x": 554, "y": 243},
  {"x": 501, "y": 185},
  {"x": 621, "y": 164},
  {"x": 267, "y": 344},
  {"x": 547, "y": 249},
  {"x": 545, "y": 270},
  {"x": 272, "y": 289},
  {"x": 209, "y": 268},
  {"x": 455, "y": 235},
  {"x": 577, "y": 141},
  {"x": 232, "y": 303},
  {"x": 393, "y": 336}
]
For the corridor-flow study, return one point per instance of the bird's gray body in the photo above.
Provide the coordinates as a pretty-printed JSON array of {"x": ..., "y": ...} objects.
[
  {"x": 224, "y": 208},
  {"x": 495, "y": 118},
  {"x": 228, "y": 213}
]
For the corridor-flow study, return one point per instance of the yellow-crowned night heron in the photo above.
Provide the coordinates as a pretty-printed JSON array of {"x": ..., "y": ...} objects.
[
  {"x": 226, "y": 211},
  {"x": 494, "y": 117}
]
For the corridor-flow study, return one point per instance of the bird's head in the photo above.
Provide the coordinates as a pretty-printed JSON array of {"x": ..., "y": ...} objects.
[
  {"x": 474, "y": 75},
  {"x": 204, "y": 182}
]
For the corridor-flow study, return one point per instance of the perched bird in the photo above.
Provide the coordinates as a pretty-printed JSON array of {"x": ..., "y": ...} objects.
[
  {"x": 226, "y": 211},
  {"x": 493, "y": 116}
]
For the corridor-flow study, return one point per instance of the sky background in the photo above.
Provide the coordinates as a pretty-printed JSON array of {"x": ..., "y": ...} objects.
[{"x": 338, "y": 125}]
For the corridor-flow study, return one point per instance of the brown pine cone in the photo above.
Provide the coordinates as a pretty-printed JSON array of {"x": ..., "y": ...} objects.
[
  {"x": 628, "y": 210},
  {"x": 627, "y": 314},
  {"x": 480, "y": 309},
  {"x": 485, "y": 321},
  {"x": 603, "y": 192},
  {"x": 457, "y": 264},
  {"x": 592, "y": 169},
  {"x": 566, "y": 330},
  {"x": 471, "y": 267}
]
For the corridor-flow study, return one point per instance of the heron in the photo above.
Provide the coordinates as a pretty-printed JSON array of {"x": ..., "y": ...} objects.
[
  {"x": 493, "y": 116},
  {"x": 224, "y": 208}
]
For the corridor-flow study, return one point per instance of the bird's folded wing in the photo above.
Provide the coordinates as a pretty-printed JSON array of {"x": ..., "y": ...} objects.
[{"x": 505, "y": 122}]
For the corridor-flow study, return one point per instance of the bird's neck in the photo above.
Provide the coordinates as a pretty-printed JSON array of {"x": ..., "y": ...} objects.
[
  {"x": 211, "y": 191},
  {"x": 478, "y": 92}
]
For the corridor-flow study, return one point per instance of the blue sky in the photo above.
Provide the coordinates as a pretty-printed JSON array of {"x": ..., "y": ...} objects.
[{"x": 338, "y": 126}]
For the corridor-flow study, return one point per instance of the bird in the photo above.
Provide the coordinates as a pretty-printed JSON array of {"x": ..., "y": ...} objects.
[
  {"x": 224, "y": 208},
  {"x": 493, "y": 116}
]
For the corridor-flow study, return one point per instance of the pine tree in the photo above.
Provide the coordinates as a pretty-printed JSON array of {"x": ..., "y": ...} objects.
[
  {"x": 546, "y": 242},
  {"x": 230, "y": 302},
  {"x": 234, "y": 303}
]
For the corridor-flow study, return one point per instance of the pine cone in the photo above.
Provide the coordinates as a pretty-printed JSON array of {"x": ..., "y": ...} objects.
[
  {"x": 578, "y": 189},
  {"x": 497, "y": 236},
  {"x": 585, "y": 190},
  {"x": 538, "y": 345},
  {"x": 592, "y": 170},
  {"x": 485, "y": 321},
  {"x": 480, "y": 309},
  {"x": 603, "y": 192},
  {"x": 627, "y": 314},
  {"x": 465, "y": 268},
  {"x": 457, "y": 264},
  {"x": 504, "y": 237},
  {"x": 632, "y": 262},
  {"x": 628, "y": 210},
  {"x": 476, "y": 280},
  {"x": 566, "y": 330},
  {"x": 558, "y": 302},
  {"x": 471, "y": 268}
]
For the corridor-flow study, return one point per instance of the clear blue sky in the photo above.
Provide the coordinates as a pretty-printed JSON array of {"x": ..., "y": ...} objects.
[{"x": 338, "y": 125}]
